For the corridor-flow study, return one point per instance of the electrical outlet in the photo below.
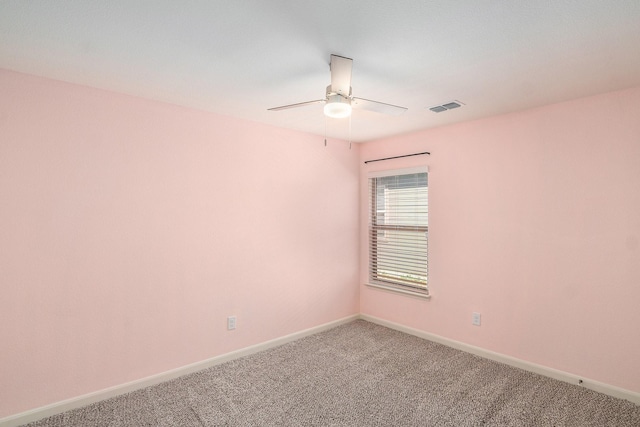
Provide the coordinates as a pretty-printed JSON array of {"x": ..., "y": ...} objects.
[
  {"x": 475, "y": 319},
  {"x": 231, "y": 322}
]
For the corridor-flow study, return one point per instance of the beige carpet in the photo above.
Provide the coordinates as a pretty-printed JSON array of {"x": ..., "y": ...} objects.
[{"x": 359, "y": 374}]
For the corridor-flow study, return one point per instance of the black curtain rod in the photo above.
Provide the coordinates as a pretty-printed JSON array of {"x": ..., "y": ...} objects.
[{"x": 397, "y": 157}]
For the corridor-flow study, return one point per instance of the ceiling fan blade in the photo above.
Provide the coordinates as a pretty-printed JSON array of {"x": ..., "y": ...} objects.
[
  {"x": 341, "y": 75},
  {"x": 378, "y": 107},
  {"x": 300, "y": 104}
]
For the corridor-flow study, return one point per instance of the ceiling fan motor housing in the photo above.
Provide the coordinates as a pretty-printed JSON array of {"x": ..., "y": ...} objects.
[
  {"x": 339, "y": 92},
  {"x": 337, "y": 106}
]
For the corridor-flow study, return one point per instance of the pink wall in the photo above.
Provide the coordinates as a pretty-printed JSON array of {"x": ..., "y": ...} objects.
[
  {"x": 534, "y": 223},
  {"x": 130, "y": 230}
]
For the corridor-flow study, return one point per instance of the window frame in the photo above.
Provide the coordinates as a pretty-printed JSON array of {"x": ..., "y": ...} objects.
[{"x": 372, "y": 208}]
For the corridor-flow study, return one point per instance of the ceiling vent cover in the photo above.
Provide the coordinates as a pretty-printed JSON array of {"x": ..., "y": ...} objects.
[
  {"x": 444, "y": 107},
  {"x": 438, "y": 109}
]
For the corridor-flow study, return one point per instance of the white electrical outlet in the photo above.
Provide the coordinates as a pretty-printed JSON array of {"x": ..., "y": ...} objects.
[
  {"x": 475, "y": 319},
  {"x": 231, "y": 322}
]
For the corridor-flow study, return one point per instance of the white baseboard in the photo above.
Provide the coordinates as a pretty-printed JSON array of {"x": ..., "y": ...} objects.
[
  {"x": 87, "y": 399},
  {"x": 610, "y": 390}
]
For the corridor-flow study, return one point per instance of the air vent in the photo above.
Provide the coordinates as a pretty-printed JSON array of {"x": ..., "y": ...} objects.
[
  {"x": 438, "y": 109},
  {"x": 444, "y": 107}
]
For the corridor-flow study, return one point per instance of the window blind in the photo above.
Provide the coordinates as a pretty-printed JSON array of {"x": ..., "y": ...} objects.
[{"x": 398, "y": 230}]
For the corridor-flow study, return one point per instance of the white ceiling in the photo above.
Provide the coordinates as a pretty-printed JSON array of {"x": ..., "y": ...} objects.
[{"x": 240, "y": 57}]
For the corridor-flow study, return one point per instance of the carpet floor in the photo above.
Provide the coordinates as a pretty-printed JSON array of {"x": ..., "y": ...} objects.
[{"x": 357, "y": 374}]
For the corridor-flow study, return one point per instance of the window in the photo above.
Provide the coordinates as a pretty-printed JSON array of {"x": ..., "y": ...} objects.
[{"x": 398, "y": 230}]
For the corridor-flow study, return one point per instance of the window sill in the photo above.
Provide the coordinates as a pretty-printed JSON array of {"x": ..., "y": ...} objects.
[{"x": 417, "y": 294}]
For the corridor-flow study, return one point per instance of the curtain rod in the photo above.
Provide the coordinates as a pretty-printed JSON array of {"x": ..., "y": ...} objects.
[{"x": 397, "y": 157}]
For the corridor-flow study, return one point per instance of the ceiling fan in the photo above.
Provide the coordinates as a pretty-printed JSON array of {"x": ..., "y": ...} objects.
[{"x": 338, "y": 98}]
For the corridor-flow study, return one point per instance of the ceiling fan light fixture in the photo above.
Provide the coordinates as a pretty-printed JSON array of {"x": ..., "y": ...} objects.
[{"x": 337, "y": 107}]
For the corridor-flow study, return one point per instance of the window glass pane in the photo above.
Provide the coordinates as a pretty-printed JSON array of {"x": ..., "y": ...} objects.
[{"x": 399, "y": 226}]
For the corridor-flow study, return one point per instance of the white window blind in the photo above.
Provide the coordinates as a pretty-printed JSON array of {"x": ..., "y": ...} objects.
[{"x": 398, "y": 230}]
